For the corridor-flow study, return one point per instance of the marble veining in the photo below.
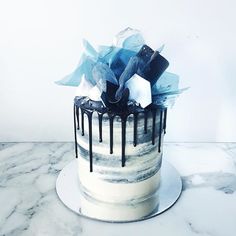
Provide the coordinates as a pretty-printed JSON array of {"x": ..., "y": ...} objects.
[{"x": 29, "y": 204}]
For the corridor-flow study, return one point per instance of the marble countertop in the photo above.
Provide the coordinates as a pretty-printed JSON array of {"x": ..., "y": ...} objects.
[{"x": 29, "y": 204}]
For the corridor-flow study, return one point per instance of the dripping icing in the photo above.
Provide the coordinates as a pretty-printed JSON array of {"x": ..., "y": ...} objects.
[{"x": 91, "y": 106}]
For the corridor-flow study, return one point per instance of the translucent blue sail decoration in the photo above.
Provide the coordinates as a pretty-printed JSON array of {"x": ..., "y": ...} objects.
[
  {"x": 90, "y": 50},
  {"x": 130, "y": 39},
  {"x": 102, "y": 73},
  {"x": 87, "y": 62},
  {"x": 85, "y": 67},
  {"x": 166, "y": 83},
  {"x": 127, "y": 43},
  {"x": 166, "y": 90}
]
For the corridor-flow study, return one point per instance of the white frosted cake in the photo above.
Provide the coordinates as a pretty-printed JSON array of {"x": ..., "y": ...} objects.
[
  {"x": 120, "y": 112},
  {"x": 119, "y": 160}
]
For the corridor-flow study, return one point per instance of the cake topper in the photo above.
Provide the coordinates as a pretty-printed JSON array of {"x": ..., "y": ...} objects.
[{"x": 127, "y": 71}]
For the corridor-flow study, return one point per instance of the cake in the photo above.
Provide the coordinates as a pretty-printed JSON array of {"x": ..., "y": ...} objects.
[
  {"x": 120, "y": 112},
  {"x": 119, "y": 159}
]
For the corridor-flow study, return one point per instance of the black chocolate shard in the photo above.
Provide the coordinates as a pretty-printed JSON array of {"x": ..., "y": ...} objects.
[
  {"x": 111, "y": 91},
  {"x": 146, "y": 63},
  {"x": 109, "y": 98},
  {"x": 105, "y": 99},
  {"x": 135, "y": 65},
  {"x": 125, "y": 97},
  {"x": 109, "y": 95},
  {"x": 155, "y": 68}
]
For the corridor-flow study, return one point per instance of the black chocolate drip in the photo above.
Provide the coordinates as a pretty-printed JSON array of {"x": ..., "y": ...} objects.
[
  {"x": 160, "y": 131},
  {"x": 135, "y": 128},
  {"x": 154, "y": 112},
  {"x": 88, "y": 107},
  {"x": 111, "y": 119},
  {"x": 77, "y": 115},
  {"x": 145, "y": 121},
  {"x": 89, "y": 115},
  {"x": 75, "y": 132},
  {"x": 82, "y": 122},
  {"x": 165, "y": 117},
  {"x": 100, "y": 115},
  {"x": 123, "y": 132},
  {"x": 90, "y": 141}
]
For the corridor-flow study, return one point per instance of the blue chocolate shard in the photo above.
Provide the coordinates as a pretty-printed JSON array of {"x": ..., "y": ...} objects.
[{"x": 119, "y": 61}]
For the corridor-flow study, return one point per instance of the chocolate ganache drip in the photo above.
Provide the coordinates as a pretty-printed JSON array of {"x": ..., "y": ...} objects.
[
  {"x": 75, "y": 133},
  {"x": 165, "y": 118},
  {"x": 88, "y": 107},
  {"x": 111, "y": 120},
  {"x": 135, "y": 128},
  {"x": 100, "y": 115}
]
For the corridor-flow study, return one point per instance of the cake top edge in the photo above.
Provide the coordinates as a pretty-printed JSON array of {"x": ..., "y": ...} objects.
[{"x": 89, "y": 105}]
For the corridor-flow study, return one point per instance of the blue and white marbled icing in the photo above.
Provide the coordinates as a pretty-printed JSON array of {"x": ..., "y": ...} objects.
[{"x": 112, "y": 192}]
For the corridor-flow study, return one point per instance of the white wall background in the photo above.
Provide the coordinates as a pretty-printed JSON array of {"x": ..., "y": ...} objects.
[{"x": 40, "y": 42}]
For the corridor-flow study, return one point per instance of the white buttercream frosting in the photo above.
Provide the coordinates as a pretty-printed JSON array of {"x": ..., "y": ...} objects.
[{"x": 112, "y": 192}]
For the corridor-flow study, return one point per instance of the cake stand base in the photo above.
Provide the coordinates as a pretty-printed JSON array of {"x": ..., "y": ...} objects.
[{"x": 67, "y": 187}]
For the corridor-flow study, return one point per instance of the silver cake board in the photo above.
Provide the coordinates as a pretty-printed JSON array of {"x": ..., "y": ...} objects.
[{"x": 67, "y": 187}]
